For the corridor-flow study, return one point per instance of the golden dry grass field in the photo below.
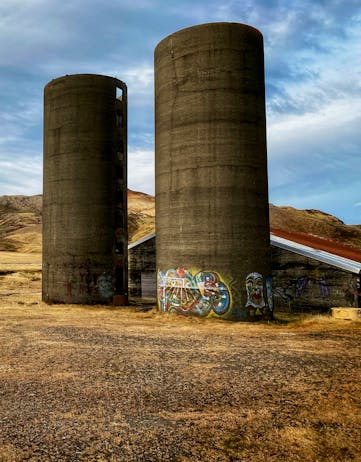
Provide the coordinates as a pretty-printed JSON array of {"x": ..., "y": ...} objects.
[{"x": 84, "y": 383}]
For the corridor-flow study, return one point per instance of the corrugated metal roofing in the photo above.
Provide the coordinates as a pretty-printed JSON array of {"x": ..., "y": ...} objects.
[
  {"x": 296, "y": 247},
  {"x": 320, "y": 243},
  {"x": 320, "y": 255}
]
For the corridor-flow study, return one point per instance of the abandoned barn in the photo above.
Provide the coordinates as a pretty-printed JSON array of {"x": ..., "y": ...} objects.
[{"x": 305, "y": 276}]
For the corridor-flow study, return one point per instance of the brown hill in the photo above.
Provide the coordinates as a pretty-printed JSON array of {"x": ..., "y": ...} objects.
[
  {"x": 141, "y": 211},
  {"x": 20, "y": 222},
  {"x": 316, "y": 223}
]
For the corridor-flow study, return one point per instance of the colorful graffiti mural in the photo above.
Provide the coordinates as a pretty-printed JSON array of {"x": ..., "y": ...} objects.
[
  {"x": 256, "y": 304},
  {"x": 198, "y": 293},
  {"x": 254, "y": 287}
]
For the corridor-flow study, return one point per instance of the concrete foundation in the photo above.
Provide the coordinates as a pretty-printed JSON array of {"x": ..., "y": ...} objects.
[
  {"x": 85, "y": 190},
  {"x": 212, "y": 219}
]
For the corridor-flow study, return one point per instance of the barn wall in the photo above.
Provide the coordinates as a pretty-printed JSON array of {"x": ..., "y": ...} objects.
[
  {"x": 299, "y": 283},
  {"x": 141, "y": 264},
  {"x": 302, "y": 283}
]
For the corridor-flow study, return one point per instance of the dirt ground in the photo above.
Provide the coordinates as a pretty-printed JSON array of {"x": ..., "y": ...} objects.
[{"x": 117, "y": 384}]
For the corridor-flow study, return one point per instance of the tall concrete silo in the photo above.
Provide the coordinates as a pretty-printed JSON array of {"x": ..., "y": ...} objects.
[
  {"x": 212, "y": 219},
  {"x": 85, "y": 190}
]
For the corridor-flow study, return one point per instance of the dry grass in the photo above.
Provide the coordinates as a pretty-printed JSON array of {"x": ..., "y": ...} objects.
[
  {"x": 11, "y": 262},
  {"x": 115, "y": 384}
]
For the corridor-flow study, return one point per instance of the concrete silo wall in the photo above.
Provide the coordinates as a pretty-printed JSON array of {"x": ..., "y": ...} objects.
[
  {"x": 212, "y": 219},
  {"x": 85, "y": 190}
]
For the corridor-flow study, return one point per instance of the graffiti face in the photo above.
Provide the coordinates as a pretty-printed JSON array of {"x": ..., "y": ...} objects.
[
  {"x": 254, "y": 286},
  {"x": 188, "y": 294}
]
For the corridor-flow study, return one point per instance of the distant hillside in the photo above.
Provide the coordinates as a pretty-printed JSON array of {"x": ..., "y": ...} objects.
[
  {"x": 141, "y": 213},
  {"x": 21, "y": 216},
  {"x": 317, "y": 223},
  {"x": 20, "y": 222}
]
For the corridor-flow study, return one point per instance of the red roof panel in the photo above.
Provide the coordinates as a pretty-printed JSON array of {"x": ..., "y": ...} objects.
[{"x": 319, "y": 243}]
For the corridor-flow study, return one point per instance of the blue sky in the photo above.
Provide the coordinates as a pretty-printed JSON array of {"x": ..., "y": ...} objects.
[{"x": 313, "y": 85}]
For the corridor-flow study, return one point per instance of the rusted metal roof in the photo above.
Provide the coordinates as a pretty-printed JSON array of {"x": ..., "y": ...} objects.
[
  {"x": 320, "y": 243},
  {"x": 307, "y": 245},
  {"x": 316, "y": 254}
]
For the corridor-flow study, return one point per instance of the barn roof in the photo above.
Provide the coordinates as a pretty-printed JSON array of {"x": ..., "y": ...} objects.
[
  {"x": 315, "y": 252},
  {"x": 323, "y": 250},
  {"x": 320, "y": 243},
  {"x": 141, "y": 240}
]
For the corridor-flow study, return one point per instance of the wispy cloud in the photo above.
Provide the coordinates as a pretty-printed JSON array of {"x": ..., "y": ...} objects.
[{"x": 21, "y": 174}]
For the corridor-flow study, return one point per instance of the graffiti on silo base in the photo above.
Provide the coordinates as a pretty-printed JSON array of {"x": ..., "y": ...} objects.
[
  {"x": 205, "y": 293},
  {"x": 254, "y": 287},
  {"x": 193, "y": 293},
  {"x": 259, "y": 295}
]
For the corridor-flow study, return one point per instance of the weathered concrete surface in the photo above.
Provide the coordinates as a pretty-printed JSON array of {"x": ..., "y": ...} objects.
[
  {"x": 211, "y": 164},
  {"x": 85, "y": 190}
]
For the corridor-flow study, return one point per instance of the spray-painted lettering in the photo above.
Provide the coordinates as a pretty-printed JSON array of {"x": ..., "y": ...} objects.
[{"x": 193, "y": 293}]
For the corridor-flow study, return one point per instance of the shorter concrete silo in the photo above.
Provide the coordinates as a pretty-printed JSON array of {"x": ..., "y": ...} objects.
[{"x": 85, "y": 190}]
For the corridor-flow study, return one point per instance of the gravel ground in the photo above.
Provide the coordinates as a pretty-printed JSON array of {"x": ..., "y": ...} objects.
[{"x": 97, "y": 384}]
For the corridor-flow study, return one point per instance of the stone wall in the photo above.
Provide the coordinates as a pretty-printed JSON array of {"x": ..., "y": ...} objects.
[{"x": 301, "y": 283}]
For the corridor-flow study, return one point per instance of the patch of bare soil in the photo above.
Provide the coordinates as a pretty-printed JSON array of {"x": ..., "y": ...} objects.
[{"x": 84, "y": 383}]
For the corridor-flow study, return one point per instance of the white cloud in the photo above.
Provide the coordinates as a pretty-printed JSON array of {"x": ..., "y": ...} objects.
[
  {"x": 335, "y": 124},
  {"x": 139, "y": 77},
  {"x": 21, "y": 174},
  {"x": 141, "y": 170},
  {"x": 139, "y": 81}
]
